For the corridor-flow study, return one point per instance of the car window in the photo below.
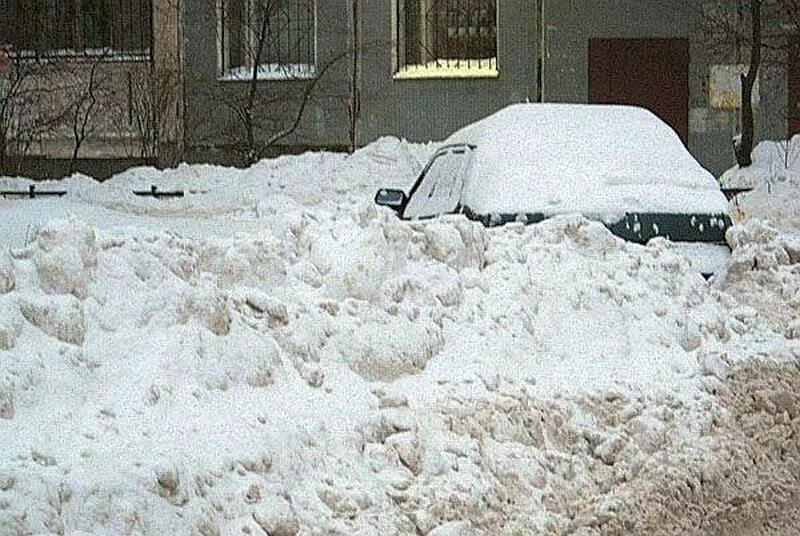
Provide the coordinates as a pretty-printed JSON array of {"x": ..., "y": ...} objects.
[{"x": 439, "y": 189}]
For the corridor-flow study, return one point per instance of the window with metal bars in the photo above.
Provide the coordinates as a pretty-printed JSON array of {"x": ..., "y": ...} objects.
[
  {"x": 76, "y": 27},
  {"x": 446, "y": 37},
  {"x": 269, "y": 39}
]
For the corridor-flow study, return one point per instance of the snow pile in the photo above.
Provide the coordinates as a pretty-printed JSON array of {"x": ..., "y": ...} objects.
[
  {"x": 764, "y": 272},
  {"x": 352, "y": 373},
  {"x": 774, "y": 179},
  {"x": 765, "y": 265},
  {"x": 775, "y": 200},
  {"x": 772, "y": 161},
  {"x": 319, "y": 179},
  {"x": 276, "y": 354},
  {"x": 602, "y": 161}
]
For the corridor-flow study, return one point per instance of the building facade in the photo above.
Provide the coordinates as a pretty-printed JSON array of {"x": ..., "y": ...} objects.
[
  {"x": 91, "y": 85},
  {"x": 242, "y": 79},
  {"x": 427, "y": 67}
]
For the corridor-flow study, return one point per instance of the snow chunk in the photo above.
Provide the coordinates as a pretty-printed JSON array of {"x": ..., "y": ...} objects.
[
  {"x": 275, "y": 310},
  {"x": 7, "y": 279},
  {"x": 455, "y": 528},
  {"x": 221, "y": 363},
  {"x": 406, "y": 444},
  {"x": 691, "y": 338},
  {"x": 793, "y": 330},
  {"x": 276, "y": 518},
  {"x": 455, "y": 241},
  {"x": 388, "y": 350},
  {"x": 610, "y": 448},
  {"x": 58, "y": 316},
  {"x": 65, "y": 255},
  {"x": 208, "y": 307},
  {"x": 7, "y": 408},
  {"x": 713, "y": 364},
  {"x": 10, "y": 323},
  {"x": 756, "y": 245},
  {"x": 354, "y": 266},
  {"x": 338, "y": 501}
]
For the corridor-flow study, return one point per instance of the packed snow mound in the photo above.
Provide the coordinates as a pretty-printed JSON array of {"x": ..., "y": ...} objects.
[
  {"x": 764, "y": 272},
  {"x": 774, "y": 179},
  {"x": 274, "y": 354},
  {"x": 346, "y": 372},
  {"x": 759, "y": 244},
  {"x": 772, "y": 161},
  {"x": 312, "y": 179},
  {"x": 776, "y": 200},
  {"x": 599, "y": 161}
]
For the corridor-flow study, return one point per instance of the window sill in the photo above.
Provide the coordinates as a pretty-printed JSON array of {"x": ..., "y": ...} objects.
[
  {"x": 271, "y": 72},
  {"x": 106, "y": 55},
  {"x": 422, "y": 72}
]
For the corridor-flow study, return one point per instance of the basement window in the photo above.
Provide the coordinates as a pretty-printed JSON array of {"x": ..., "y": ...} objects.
[
  {"x": 445, "y": 38},
  {"x": 268, "y": 39}
]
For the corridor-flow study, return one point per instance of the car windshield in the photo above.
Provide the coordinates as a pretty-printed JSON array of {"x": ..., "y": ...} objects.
[{"x": 438, "y": 190}]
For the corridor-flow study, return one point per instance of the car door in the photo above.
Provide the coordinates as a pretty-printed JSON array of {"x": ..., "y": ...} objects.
[{"x": 438, "y": 190}]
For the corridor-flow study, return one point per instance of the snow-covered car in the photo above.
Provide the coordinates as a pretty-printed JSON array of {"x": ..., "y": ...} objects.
[{"x": 620, "y": 165}]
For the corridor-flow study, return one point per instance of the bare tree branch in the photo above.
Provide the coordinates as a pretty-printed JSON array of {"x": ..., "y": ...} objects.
[
  {"x": 298, "y": 116},
  {"x": 83, "y": 108}
]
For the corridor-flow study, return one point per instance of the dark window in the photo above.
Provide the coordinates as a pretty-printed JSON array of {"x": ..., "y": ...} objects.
[
  {"x": 446, "y": 34},
  {"x": 277, "y": 35},
  {"x": 76, "y": 27}
]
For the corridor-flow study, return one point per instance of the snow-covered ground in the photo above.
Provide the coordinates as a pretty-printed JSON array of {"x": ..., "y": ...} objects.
[{"x": 272, "y": 354}]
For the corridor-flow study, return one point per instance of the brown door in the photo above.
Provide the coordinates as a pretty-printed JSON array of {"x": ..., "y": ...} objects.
[
  {"x": 793, "y": 106},
  {"x": 652, "y": 73}
]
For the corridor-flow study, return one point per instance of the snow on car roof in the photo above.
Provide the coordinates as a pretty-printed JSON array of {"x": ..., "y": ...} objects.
[{"x": 598, "y": 160}]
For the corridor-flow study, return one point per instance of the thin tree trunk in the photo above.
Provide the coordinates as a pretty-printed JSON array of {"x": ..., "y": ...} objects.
[
  {"x": 262, "y": 36},
  {"x": 744, "y": 148},
  {"x": 354, "y": 102},
  {"x": 80, "y": 122},
  {"x": 304, "y": 99}
]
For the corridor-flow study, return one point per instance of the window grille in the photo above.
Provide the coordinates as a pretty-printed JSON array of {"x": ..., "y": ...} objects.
[
  {"x": 446, "y": 34},
  {"x": 277, "y": 35},
  {"x": 77, "y": 27}
]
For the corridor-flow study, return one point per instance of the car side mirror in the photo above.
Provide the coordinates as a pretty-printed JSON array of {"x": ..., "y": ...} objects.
[{"x": 394, "y": 199}]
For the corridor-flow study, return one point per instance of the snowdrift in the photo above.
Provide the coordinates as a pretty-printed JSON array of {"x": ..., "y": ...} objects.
[
  {"x": 766, "y": 246},
  {"x": 771, "y": 160},
  {"x": 774, "y": 179},
  {"x": 277, "y": 355}
]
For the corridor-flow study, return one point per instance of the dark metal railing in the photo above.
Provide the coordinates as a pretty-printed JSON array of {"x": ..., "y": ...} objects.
[
  {"x": 278, "y": 33},
  {"x": 77, "y": 27},
  {"x": 32, "y": 193},
  {"x": 446, "y": 33},
  {"x": 158, "y": 194}
]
